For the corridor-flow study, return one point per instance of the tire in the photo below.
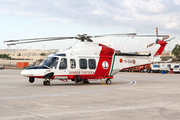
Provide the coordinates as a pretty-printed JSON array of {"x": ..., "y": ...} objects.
[
  {"x": 76, "y": 81},
  {"x": 44, "y": 83},
  {"x": 47, "y": 83},
  {"x": 150, "y": 71},
  {"x": 108, "y": 81},
  {"x": 85, "y": 81},
  {"x": 31, "y": 79}
]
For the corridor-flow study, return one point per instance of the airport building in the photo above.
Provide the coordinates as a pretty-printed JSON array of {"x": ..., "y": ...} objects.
[{"x": 34, "y": 56}]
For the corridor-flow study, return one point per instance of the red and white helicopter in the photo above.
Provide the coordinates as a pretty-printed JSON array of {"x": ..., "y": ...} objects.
[{"x": 88, "y": 60}]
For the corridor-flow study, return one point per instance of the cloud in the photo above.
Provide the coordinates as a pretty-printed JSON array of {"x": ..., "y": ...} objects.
[
  {"x": 48, "y": 19},
  {"x": 177, "y": 2},
  {"x": 173, "y": 25},
  {"x": 119, "y": 14},
  {"x": 141, "y": 16}
]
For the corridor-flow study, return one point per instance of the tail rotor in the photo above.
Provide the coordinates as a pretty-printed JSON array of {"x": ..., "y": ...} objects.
[{"x": 156, "y": 42}]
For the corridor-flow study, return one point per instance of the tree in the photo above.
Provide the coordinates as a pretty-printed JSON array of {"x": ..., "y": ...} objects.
[
  {"x": 43, "y": 54},
  {"x": 176, "y": 51},
  {"x": 5, "y": 56}
]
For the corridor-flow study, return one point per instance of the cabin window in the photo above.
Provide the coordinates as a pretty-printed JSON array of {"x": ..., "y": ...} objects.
[
  {"x": 92, "y": 63},
  {"x": 63, "y": 63},
  {"x": 73, "y": 63},
  {"x": 83, "y": 63}
]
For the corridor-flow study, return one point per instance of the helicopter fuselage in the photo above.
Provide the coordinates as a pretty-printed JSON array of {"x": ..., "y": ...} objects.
[{"x": 87, "y": 60}]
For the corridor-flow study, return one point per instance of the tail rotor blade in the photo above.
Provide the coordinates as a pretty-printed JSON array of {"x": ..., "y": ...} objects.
[
  {"x": 165, "y": 38},
  {"x": 170, "y": 39},
  {"x": 150, "y": 45},
  {"x": 157, "y": 32}
]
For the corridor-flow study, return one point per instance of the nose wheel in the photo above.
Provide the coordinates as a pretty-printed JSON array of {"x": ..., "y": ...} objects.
[
  {"x": 46, "y": 82},
  {"x": 31, "y": 79}
]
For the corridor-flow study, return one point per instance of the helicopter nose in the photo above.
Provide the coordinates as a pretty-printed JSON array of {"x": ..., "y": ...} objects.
[{"x": 26, "y": 73}]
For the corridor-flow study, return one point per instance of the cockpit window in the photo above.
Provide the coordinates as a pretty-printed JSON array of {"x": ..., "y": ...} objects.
[
  {"x": 63, "y": 63},
  {"x": 54, "y": 64},
  {"x": 50, "y": 62}
]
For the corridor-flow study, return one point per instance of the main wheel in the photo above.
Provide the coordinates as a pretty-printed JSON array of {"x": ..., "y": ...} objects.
[
  {"x": 76, "y": 81},
  {"x": 108, "y": 81},
  {"x": 46, "y": 82},
  {"x": 86, "y": 81}
]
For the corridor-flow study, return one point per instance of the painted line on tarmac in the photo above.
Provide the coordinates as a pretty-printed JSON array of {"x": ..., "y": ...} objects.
[{"x": 132, "y": 82}]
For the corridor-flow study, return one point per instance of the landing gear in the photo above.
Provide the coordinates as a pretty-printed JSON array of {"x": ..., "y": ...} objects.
[
  {"x": 108, "y": 81},
  {"x": 46, "y": 82},
  {"x": 85, "y": 81},
  {"x": 31, "y": 79},
  {"x": 78, "y": 79}
]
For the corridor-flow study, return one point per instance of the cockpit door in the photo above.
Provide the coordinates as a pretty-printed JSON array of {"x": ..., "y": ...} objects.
[{"x": 63, "y": 65}]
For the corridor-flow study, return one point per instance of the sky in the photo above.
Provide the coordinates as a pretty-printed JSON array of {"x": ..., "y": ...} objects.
[{"x": 24, "y": 19}]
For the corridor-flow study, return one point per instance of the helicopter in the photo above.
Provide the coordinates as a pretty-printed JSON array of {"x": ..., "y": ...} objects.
[{"x": 87, "y": 60}]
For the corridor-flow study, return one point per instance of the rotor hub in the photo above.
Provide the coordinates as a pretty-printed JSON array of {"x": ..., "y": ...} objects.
[{"x": 82, "y": 37}]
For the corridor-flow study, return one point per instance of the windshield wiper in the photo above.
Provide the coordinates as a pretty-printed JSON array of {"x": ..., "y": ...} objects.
[{"x": 46, "y": 66}]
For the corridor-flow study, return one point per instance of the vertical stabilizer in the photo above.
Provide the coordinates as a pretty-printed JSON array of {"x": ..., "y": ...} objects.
[
  {"x": 156, "y": 53},
  {"x": 159, "y": 48}
]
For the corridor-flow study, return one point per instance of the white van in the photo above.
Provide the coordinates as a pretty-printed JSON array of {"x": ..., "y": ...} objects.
[
  {"x": 155, "y": 68},
  {"x": 176, "y": 68},
  {"x": 160, "y": 67}
]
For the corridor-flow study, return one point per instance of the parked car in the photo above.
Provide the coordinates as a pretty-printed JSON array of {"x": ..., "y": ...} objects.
[
  {"x": 176, "y": 68},
  {"x": 2, "y": 66}
]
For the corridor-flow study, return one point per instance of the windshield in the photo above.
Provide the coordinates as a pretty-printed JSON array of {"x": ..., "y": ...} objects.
[
  {"x": 50, "y": 62},
  {"x": 176, "y": 66}
]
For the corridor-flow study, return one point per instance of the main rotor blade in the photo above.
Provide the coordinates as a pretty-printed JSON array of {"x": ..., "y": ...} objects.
[
  {"x": 117, "y": 35},
  {"x": 50, "y": 38},
  {"x": 151, "y": 44},
  {"x": 42, "y": 40},
  {"x": 152, "y": 35}
]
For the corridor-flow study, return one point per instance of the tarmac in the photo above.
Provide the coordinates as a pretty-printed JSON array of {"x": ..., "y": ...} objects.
[{"x": 131, "y": 96}]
